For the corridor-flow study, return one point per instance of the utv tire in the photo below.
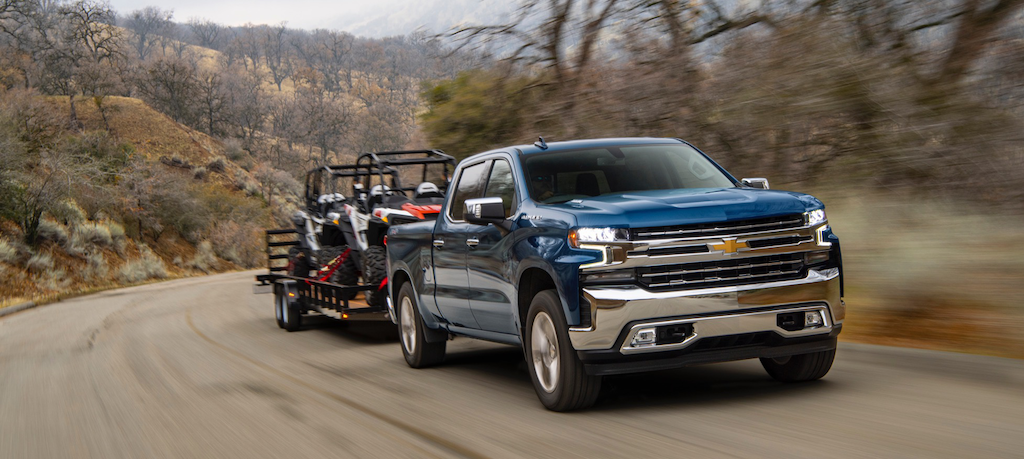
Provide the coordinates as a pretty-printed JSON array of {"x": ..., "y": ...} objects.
[
  {"x": 558, "y": 375},
  {"x": 347, "y": 273},
  {"x": 417, "y": 351},
  {"x": 799, "y": 368},
  {"x": 298, "y": 264},
  {"x": 374, "y": 273}
]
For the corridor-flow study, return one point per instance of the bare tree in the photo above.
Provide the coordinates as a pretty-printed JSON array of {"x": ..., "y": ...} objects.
[
  {"x": 276, "y": 53},
  {"x": 148, "y": 24},
  {"x": 327, "y": 52},
  {"x": 206, "y": 32}
]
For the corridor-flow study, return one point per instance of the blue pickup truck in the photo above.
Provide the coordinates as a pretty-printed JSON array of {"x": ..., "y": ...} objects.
[{"x": 613, "y": 256}]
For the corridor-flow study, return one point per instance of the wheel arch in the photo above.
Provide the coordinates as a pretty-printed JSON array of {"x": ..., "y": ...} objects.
[{"x": 532, "y": 280}]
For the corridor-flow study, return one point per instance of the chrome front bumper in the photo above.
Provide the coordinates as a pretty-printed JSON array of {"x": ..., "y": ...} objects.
[{"x": 618, "y": 313}]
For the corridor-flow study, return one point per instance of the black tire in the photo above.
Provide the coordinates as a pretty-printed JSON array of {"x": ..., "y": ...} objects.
[
  {"x": 374, "y": 272},
  {"x": 298, "y": 264},
  {"x": 799, "y": 368},
  {"x": 347, "y": 273},
  {"x": 565, "y": 386},
  {"x": 279, "y": 301},
  {"x": 291, "y": 319},
  {"x": 417, "y": 351},
  {"x": 328, "y": 253}
]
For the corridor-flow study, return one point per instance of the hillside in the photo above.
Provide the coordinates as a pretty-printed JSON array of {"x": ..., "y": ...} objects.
[{"x": 176, "y": 205}]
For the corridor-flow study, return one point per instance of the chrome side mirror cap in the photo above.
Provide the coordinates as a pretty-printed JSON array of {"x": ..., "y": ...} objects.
[
  {"x": 756, "y": 182},
  {"x": 481, "y": 211}
]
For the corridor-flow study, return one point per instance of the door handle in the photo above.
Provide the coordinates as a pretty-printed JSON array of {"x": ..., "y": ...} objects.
[
  {"x": 472, "y": 242},
  {"x": 438, "y": 243}
]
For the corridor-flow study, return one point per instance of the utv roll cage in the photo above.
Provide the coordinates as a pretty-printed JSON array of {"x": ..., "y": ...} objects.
[{"x": 386, "y": 162}]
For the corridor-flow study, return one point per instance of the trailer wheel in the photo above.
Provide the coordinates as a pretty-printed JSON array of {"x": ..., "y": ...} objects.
[
  {"x": 374, "y": 273},
  {"x": 280, "y": 300},
  {"x": 291, "y": 317},
  {"x": 417, "y": 351}
]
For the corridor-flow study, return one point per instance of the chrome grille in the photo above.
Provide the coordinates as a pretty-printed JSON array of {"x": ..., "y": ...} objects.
[
  {"x": 783, "y": 222},
  {"x": 720, "y": 273}
]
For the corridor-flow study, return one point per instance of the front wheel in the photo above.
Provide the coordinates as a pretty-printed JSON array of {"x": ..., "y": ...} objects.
[
  {"x": 418, "y": 352},
  {"x": 799, "y": 368},
  {"x": 558, "y": 375}
]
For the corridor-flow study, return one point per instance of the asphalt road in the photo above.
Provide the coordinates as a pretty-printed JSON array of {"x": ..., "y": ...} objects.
[{"x": 197, "y": 368}]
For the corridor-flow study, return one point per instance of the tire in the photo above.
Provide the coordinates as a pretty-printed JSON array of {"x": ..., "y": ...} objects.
[
  {"x": 298, "y": 264},
  {"x": 374, "y": 272},
  {"x": 347, "y": 273},
  {"x": 279, "y": 301},
  {"x": 417, "y": 351},
  {"x": 558, "y": 375},
  {"x": 799, "y": 368},
  {"x": 328, "y": 253},
  {"x": 291, "y": 317}
]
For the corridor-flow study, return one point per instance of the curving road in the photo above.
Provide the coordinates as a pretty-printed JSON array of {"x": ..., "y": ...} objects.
[{"x": 197, "y": 368}]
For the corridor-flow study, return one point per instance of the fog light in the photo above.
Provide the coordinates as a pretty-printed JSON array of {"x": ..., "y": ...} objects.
[
  {"x": 644, "y": 337},
  {"x": 813, "y": 319}
]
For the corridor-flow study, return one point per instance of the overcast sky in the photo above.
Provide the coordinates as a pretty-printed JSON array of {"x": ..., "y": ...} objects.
[
  {"x": 362, "y": 17},
  {"x": 304, "y": 14}
]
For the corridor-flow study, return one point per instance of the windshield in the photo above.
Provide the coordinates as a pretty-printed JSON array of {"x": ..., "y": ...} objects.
[{"x": 562, "y": 176}]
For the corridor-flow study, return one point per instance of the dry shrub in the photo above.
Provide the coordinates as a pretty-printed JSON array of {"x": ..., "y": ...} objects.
[
  {"x": 96, "y": 268},
  {"x": 199, "y": 173},
  {"x": 241, "y": 244},
  {"x": 53, "y": 231},
  {"x": 96, "y": 233},
  {"x": 148, "y": 266},
  {"x": 40, "y": 263},
  {"x": 218, "y": 165},
  {"x": 205, "y": 258},
  {"x": 67, "y": 211},
  {"x": 8, "y": 254},
  {"x": 55, "y": 279}
]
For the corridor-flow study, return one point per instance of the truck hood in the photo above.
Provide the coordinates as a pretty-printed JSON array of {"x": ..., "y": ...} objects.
[{"x": 686, "y": 206}]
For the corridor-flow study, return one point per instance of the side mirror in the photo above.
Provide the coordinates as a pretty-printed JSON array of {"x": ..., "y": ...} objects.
[
  {"x": 482, "y": 211},
  {"x": 757, "y": 182}
]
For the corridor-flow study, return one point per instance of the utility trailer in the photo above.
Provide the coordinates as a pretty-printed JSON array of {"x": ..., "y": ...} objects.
[{"x": 295, "y": 296}]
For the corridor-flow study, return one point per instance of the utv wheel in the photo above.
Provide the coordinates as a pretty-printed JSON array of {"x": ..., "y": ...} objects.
[
  {"x": 347, "y": 273},
  {"x": 291, "y": 317},
  {"x": 418, "y": 352},
  {"x": 558, "y": 375},
  {"x": 374, "y": 272},
  {"x": 280, "y": 302},
  {"x": 798, "y": 368},
  {"x": 298, "y": 264}
]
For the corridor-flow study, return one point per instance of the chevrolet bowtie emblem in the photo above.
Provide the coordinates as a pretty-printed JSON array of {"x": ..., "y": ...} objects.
[{"x": 729, "y": 245}]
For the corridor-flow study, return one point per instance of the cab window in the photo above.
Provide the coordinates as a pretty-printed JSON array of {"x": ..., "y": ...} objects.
[
  {"x": 470, "y": 186},
  {"x": 501, "y": 184}
]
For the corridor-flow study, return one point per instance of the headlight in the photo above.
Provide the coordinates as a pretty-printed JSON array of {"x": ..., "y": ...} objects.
[
  {"x": 815, "y": 217},
  {"x": 590, "y": 235}
]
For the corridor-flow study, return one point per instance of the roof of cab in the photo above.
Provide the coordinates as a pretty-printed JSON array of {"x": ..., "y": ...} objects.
[{"x": 579, "y": 144}]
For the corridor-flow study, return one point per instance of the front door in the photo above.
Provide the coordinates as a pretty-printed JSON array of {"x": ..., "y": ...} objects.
[
  {"x": 491, "y": 281},
  {"x": 451, "y": 289}
]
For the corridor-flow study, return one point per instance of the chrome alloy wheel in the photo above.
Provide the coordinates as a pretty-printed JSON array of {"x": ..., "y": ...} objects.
[
  {"x": 544, "y": 346},
  {"x": 408, "y": 321}
]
